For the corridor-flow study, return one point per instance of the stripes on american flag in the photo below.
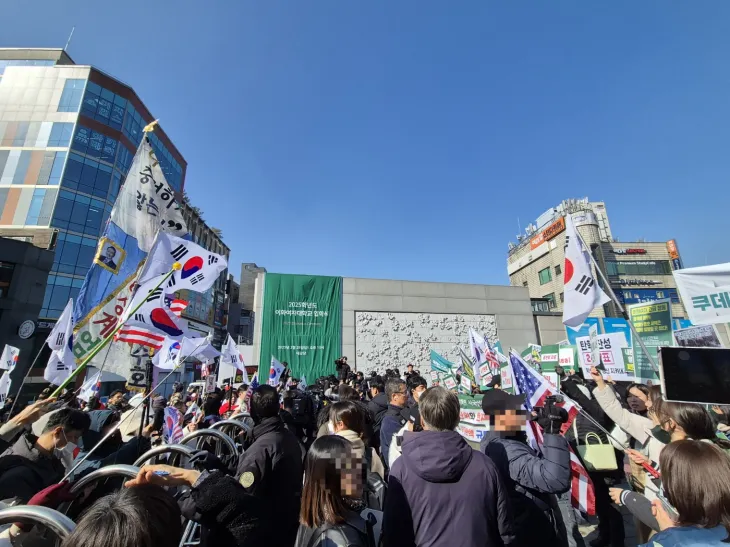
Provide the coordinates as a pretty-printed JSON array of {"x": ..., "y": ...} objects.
[
  {"x": 144, "y": 337},
  {"x": 537, "y": 389}
]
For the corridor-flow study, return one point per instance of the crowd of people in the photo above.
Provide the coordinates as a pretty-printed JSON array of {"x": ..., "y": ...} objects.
[{"x": 356, "y": 461}]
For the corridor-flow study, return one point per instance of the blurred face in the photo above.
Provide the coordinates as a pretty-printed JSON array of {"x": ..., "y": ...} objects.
[
  {"x": 418, "y": 392},
  {"x": 510, "y": 420},
  {"x": 350, "y": 475},
  {"x": 116, "y": 398}
]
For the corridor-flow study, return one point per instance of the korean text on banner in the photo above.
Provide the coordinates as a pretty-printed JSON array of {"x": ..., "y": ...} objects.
[
  {"x": 609, "y": 348},
  {"x": 145, "y": 205},
  {"x": 653, "y": 323},
  {"x": 301, "y": 323},
  {"x": 700, "y": 336},
  {"x": 440, "y": 364},
  {"x": 705, "y": 291}
]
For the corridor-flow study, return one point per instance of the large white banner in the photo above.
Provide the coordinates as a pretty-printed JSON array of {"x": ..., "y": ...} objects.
[{"x": 705, "y": 292}]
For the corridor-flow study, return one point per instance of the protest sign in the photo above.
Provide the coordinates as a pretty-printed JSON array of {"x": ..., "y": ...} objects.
[
  {"x": 439, "y": 363},
  {"x": 473, "y": 423},
  {"x": 567, "y": 357},
  {"x": 210, "y": 383},
  {"x": 705, "y": 291},
  {"x": 700, "y": 336},
  {"x": 449, "y": 381},
  {"x": 653, "y": 323},
  {"x": 507, "y": 383},
  {"x": 609, "y": 350}
]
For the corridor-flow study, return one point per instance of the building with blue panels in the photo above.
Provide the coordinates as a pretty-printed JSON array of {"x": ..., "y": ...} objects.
[{"x": 68, "y": 134}]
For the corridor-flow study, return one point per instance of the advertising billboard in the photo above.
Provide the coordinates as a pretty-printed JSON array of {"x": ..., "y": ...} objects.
[{"x": 548, "y": 233}]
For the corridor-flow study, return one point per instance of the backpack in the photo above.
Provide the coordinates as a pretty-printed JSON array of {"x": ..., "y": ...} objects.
[
  {"x": 375, "y": 488},
  {"x": 303, "y": 409}
]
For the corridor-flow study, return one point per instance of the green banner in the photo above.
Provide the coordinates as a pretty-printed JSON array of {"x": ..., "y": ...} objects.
[
  {"x": 301, "y": 324},
  {"x": 439, "y": 363},
  {"x": 653, "y": 322}
]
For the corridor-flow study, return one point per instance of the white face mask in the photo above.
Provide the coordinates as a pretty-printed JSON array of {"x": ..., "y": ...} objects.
[
  {"x": 331, "y": 428},
  {"x": 65, "y": 454}
]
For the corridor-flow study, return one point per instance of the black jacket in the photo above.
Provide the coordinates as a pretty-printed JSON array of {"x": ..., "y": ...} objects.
[
  {"x": 392, "y": 422},
  {"x": 531, "y": 479},
  {"x": 443, "y": 492},
  {"x": 377, "y": 407},
  {"x": 229, "y": 515},
  {"x": 351, "y": 533},
  {"x": 24, "y": 470},
  {"x": 271, "y": 470}
]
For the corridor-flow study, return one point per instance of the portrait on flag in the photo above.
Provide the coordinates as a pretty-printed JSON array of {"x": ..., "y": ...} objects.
[{"x": 109, "y": 255}]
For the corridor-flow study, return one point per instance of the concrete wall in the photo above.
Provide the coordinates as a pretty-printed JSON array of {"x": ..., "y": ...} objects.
[
  {"x": 550, "y": 329},
  {"x": 507, "y": 308}
]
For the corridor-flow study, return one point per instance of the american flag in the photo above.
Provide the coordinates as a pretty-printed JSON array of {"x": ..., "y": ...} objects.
[
  {"x": 537, "y": 389},
  {"x": 172, "y": 430},
  {"x": 144, "y": 337},
  {"x": 254, "y": 381}
]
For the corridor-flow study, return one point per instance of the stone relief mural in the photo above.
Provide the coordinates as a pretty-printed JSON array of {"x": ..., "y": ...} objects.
[{"x": 392, "y": 339}]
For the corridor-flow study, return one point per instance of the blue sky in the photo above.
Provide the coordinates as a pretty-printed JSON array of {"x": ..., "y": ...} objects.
[{"x": 403, "y": 139}]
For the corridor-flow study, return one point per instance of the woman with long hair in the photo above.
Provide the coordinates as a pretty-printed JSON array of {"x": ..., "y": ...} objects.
[
  {"x": 695, "y": 507},
  {"x": 332, "y": 497}
]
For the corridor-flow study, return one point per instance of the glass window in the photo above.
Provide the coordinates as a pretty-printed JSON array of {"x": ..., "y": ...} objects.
[
  {"x": 545, "y": 276},
  {"x": 562, "y": 297},
  {"x": 64, "y": 207},
  {"x": 73, "y": 90},
  {"x": 91, "y": 100},
  {"x": 60, "y": 134},
  {"x": 96, "y": 143},
  {"x": 88, "y": 176},
  {"x": 34, "y": 210},
  {"x": 109, "y": 151},
  {"x": 20, "y": 133},
  {"x": 57, "y": 169},
  {"x": 551, "y": 300},
  {"x": 59, "y": 297},
  {"x": 103, "y": 178},
  {"x": 81, "y": 139},
  {"x": 558, "y": 270}
]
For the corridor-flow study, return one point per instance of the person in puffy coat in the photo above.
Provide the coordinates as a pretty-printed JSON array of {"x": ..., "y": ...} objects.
[
  {"x": 532, "y": 480},
  {"x": 332, "y": 497},
  {"x": 441, "y": 491}
]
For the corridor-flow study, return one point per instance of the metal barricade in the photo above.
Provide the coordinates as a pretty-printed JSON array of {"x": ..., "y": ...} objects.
[{"x": 56, "y": 522}]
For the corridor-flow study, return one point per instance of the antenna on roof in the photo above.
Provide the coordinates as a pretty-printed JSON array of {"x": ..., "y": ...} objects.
[{"x": 69, "y": 38}]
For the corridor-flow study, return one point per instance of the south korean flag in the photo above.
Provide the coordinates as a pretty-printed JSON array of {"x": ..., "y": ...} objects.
[
  {"x": 200, "y": 268},
  {"x": 153, "y": 314},
  {"x": 582, "y": 293}
]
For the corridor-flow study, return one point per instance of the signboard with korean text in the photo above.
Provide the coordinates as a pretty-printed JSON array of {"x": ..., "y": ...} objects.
[
  {"x": 567, "y": 357},
  {"x": 653, "y": 323},
  {"x": 301, "y": 323},
  {"x": 548, "y": 233},
  {"x": 449, "y": 381},
  {"x": 700, "y": 336},
  {"x": 609, "y": 350},
  {"x": 705, "y": 292},
  {"x": 439, "y": 363},
  {"x": 473, "y": 423}
]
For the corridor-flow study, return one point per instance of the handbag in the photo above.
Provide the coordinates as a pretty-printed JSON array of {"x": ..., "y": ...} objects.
[{"x": 596, "y": 457}]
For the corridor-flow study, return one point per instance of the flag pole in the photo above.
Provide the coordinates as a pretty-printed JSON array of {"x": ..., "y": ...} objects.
[
  {"x": 176, "y": 266},
  {"x": 118, "y": 425},
  {"x": 613, "y": 296},
  {"x": 27, "y": 372}
]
